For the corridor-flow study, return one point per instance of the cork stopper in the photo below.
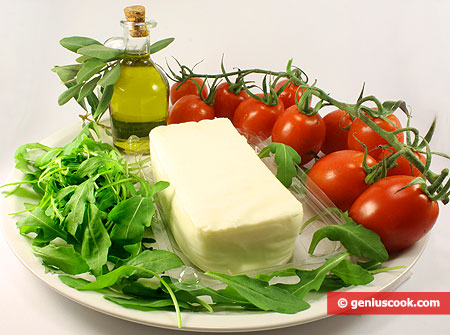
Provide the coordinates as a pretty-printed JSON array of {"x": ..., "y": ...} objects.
[{"x": 136, "y": 14}]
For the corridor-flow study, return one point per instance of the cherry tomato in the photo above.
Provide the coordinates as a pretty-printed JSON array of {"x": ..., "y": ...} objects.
[
  {"x": 340, "y": 176},
  {"x": 179, "y": 90},
  {"x": 336, "y": 136},
  {"x": 288, "y": 94},
  {"x": 254, "y": 118},
  {"x": 226, "y": 102},
  {"x": 400, "y": 218},
  {"x": 190, "y": 108},
  {"x": 304, "y": 133},
  {"x": 369, "y": 137},
  {"x": 404, "y": 167}
]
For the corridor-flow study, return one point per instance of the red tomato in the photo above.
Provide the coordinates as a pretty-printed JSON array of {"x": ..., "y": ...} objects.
[
  {"x": 288, "y": 94},
  {"x": 400, "y": 218},
  {"x": 226, "y": 102},
  {"x": 190, "y": 108},
  {"x": 404, "y": 167},
  {"x": 304, "y": 133},
  {"x": 369, "y": 137},
  {"x": 336, "y": 136},
  {"x": 340, "y": 176},
  {"x": 179, "y": 90},
  {"x": 254, "y": 118}
]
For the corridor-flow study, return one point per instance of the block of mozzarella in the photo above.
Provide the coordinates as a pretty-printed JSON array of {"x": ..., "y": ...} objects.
[{"x": 225, "y": 209}]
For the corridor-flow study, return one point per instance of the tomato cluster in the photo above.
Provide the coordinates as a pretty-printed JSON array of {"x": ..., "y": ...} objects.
[{"x": 334, "y": 147}]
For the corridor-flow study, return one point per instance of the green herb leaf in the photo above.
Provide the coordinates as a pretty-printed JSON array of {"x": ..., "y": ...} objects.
[
  {"x": 355, "y": 238},
  {"x": 142, "y": 304},
  {"x": 64, "y": 258},
  {"x": 76, "y": 206},
  {"x": 88, "y": 88},
  {"x": 155, "y": 261},
  {"x": 261, "y": 294},
  {"x": 96, "y": 241},
  {"x": 352, "y": 274},
  {"x": 286, "y": 159},
  {"x": 131, "y": 217},
  {"x": 76, "y": 42},
  {"x": 42, "y": 225},
  {"x": 104, "y": 102},
  {"x": 88, "y": 69},
  {"x": 159, "y": 45},
  {"x": 82, "y": 59},
  {"x": 312, "y": 279},
  {"x": 100, "y": 52},
  {"x": 111, "y": 76},
  {"x": 68, "y": 94},
  {"x": 67, "y": 72}
]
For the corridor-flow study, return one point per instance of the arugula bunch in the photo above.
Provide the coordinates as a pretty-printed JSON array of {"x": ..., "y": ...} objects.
[{"x": 92, "y": 225}]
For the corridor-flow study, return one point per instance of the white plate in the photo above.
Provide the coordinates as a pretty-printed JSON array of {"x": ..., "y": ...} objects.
[{"x": 192, "y": 321}]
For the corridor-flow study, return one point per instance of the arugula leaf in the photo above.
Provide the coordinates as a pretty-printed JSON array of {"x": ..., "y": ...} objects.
[
  {"x": 131, "y": 217},
  {"x": 261, "y": 294},
  {"x": 96, "y": 241},
  {"x": 64, "y": 258},
  {"x": 76, "y": 206},
  {"x": 143, "y": 304},
  {"x": 355, "y": 238},
  {"x": 352, "y": 274},
  {"x": 154, "y": 261},
  {"x": 313, "y": 279},
  {"x": 286, "y": 159},
  {"x": 38, "y": 222}
]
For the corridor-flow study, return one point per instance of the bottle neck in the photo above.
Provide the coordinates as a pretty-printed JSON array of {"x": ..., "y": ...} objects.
[{"x": 137, "y": 45}]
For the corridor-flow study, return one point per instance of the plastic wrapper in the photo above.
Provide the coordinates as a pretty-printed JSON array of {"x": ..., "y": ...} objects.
[{"x": 315, "y": 205}]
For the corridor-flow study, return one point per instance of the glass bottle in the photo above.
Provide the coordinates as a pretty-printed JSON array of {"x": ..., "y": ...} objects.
[{"x": 140, "y": 99}]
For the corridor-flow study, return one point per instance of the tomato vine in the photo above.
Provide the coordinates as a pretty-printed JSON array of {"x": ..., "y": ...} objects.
[{"x": 435, "y": 185}]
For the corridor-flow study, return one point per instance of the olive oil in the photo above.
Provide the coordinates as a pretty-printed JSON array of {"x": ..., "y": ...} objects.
[{"x": 140, "y": 99}]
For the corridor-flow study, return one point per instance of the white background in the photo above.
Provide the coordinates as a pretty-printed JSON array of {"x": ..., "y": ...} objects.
[{"x": 400, "y": 49}]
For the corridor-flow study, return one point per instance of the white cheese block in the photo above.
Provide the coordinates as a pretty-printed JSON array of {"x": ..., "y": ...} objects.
[{"x": 226, "y": 210}]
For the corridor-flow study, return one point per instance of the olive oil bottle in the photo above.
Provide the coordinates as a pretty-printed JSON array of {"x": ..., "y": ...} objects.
[{"x": 140, "y": 99}]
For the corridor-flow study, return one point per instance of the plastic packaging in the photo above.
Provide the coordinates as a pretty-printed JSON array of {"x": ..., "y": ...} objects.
[{"x": 315, "y": 204}]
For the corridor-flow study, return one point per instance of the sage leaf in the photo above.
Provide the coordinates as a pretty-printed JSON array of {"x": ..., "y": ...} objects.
[
  {"x": 261, "y": 294},
  {"x": 159, "y": 45},
  {"x": 67, "y": 72},
  {"x": 130, "y": 217},
  {"x": 68, "y": 94},
  {"x": 88, "y": 88},
  {"x": 88, "y": 69},
  {"x": 64, "y": 258},
  {"x": 111, "y": 76},
  {"x": 100, "y": 52},
  {"x": 352, "y": 274},
  {"x": 82, "y": 59},
  {"x": 96, "y": 241},
  {"x": 76, "y": 42},
  {"x": 104, "y": 102},
  {"x": 355, "y": 238}
]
